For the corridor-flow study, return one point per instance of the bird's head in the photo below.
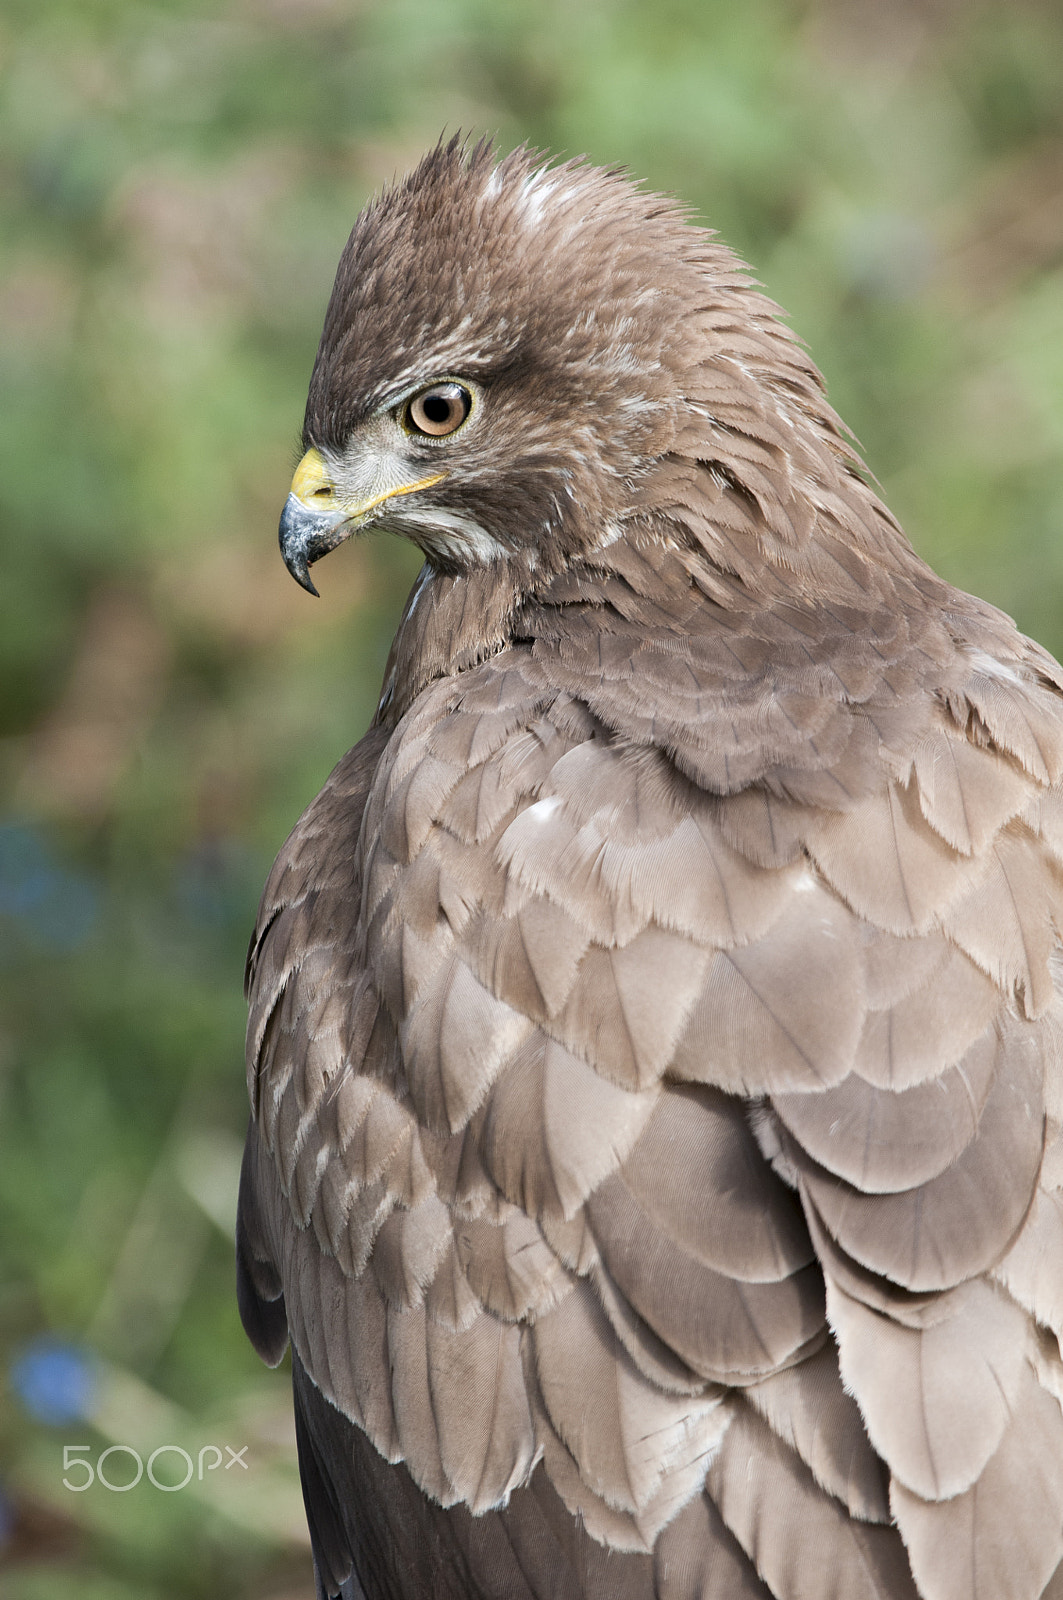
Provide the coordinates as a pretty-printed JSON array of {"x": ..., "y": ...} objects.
[
  {"x": 523, "y": 363},
  {"x": 502, "y": 361}
]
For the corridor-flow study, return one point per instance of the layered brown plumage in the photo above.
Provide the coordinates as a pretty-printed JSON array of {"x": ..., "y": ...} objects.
[{"x": 654, "y": 1060}]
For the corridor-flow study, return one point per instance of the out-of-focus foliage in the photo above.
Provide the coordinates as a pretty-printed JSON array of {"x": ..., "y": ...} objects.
[{"x": 176, "y": 182}]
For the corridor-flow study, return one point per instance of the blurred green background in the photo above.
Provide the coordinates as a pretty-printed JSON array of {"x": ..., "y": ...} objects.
[{"x": 176, "y": 183}]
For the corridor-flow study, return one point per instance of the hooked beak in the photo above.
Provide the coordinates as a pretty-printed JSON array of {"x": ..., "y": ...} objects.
[{"x": 314, "y": 521}]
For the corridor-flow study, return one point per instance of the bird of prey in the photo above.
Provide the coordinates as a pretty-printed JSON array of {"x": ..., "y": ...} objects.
[{"x": 655, "y": 1022}]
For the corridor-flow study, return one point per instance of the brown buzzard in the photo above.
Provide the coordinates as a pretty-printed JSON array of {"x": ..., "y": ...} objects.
[{"x": 654, "y": 1051}]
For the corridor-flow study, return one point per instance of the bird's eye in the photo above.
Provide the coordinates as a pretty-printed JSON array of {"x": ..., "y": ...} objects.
[{"x": 439, "y": 410}]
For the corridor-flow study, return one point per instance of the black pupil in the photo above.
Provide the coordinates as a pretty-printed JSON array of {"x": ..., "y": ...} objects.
[{"x": 438, "y": 407}]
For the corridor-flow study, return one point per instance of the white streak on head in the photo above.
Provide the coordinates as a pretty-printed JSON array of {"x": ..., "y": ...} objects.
[
  {"x": 434, "y": 357},
  {"x": 535, "y": 190}
]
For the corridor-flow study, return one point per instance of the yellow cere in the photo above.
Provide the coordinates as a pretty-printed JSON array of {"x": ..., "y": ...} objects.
[
  {"x": 313, "y": 486},
  {"x": 311, "y": 477}
]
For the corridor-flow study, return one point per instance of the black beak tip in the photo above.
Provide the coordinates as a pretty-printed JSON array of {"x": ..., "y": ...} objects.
[
  {"x": 300, "y": 571},
  {"x": 301, "y": 542}
]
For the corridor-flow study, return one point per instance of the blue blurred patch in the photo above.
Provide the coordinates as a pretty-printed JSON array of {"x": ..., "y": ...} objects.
[
  {"x": 216, "y": 884},
  {"x": 54, "y": 907},
  {"x": 55, "y": 1381}
]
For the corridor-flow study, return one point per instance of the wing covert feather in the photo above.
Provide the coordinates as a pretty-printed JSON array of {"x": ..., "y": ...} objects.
[
  {"x": 1003, "y": 1538},
  {"x": 810, "y": 1411},
  {"x": 960, "y": 1222},
  {"x": 801, "y": 1540},
  {"x": 884, "y": 1142},
  {"x": 761, "y": 1024},
  {"x": 936, "y": 1400},
  {"x": 554, "y": 1128}
]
